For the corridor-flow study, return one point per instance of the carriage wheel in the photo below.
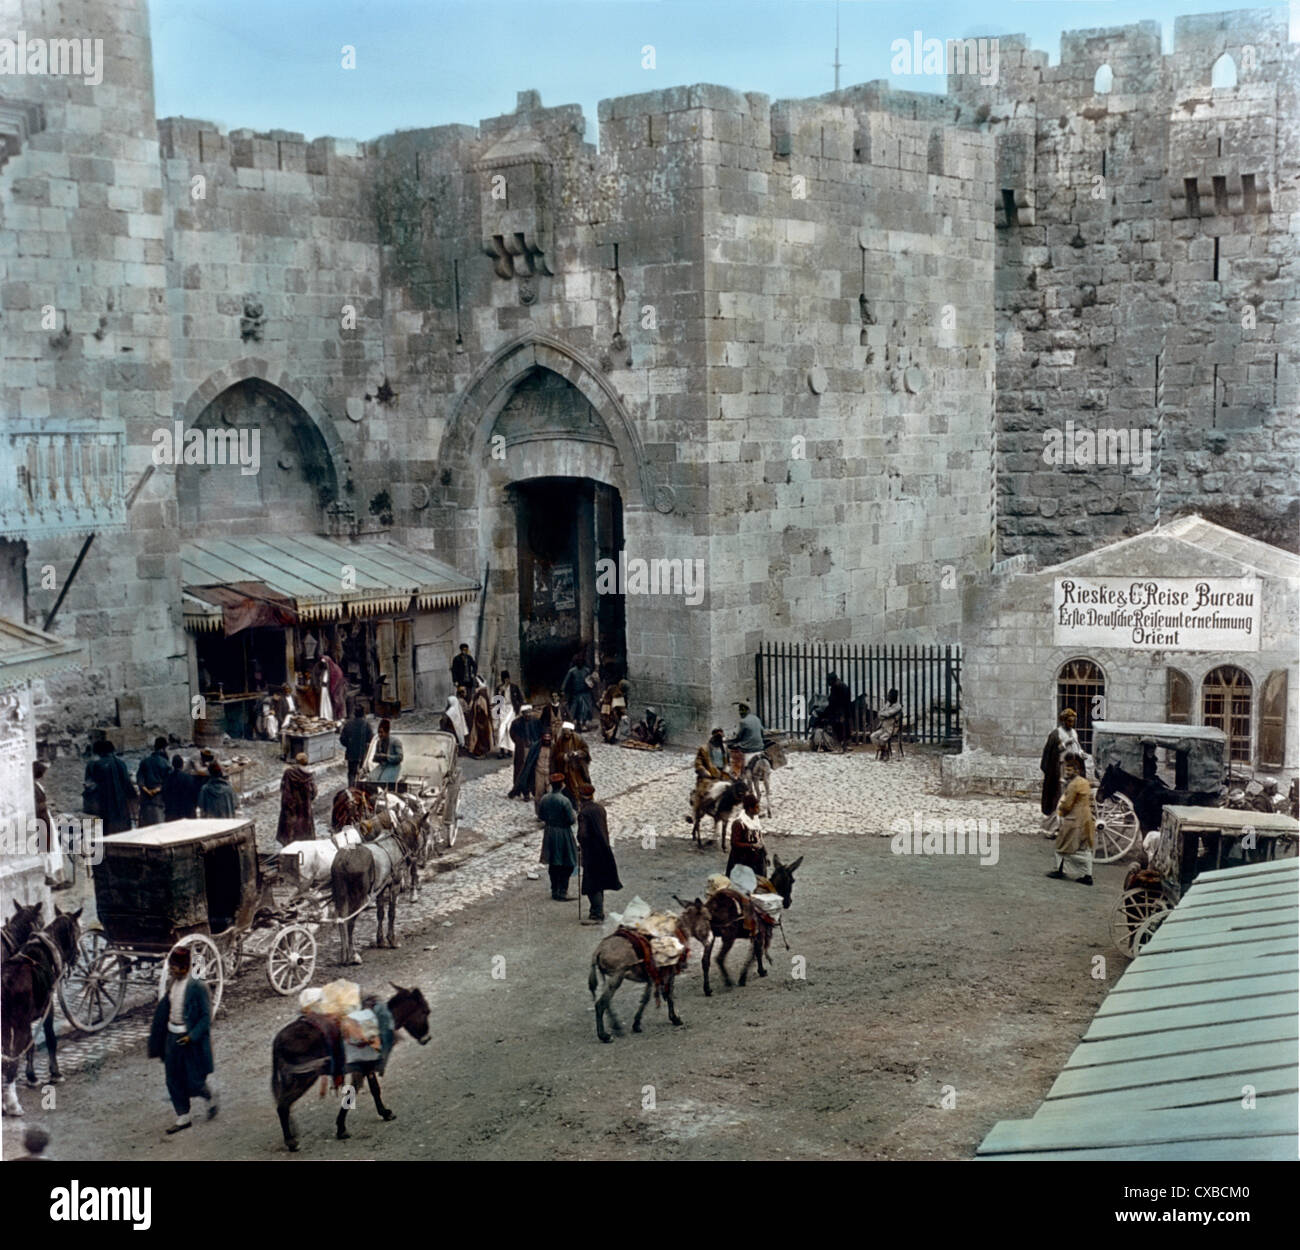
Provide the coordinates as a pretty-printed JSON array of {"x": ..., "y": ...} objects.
[
  {"x": 1134, "y": 908},
  {"x": 291, "y": 961},
  {"x": 92, "y": 991},
  {"x": 1117, "y": 828},
  {"x": 1146, "y": 930},
  {"x": 205, "y": 963}
]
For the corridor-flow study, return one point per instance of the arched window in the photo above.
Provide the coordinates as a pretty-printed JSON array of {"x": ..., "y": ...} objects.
[
  {"x": 1103, "y": 80},
  {"x": 1078, "y": 684},
  {"x": 1178, "y": 697},
  {"x": 1224, "y": 72},
  {"x": 1272, "y": 720},
  {"x": 1225, "y": 704}
]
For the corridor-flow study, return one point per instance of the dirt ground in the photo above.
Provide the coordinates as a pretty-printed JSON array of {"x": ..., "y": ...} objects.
[{"x": 937, "y": 997}]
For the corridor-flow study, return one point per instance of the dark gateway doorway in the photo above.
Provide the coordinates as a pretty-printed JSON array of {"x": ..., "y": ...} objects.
[{"x": 565, "y": 525}]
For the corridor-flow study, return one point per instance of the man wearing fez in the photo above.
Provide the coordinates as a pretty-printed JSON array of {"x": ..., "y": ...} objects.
[
  {"x": 1062, "y": 741},
  {"x": 559, "y": 849},
  {"x": 181, "y": 1038}
]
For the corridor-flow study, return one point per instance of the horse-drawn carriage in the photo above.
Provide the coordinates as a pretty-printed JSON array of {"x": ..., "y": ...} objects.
[
  {"x": 1140, "y": 768},
  {"x": 430, "y": 772},
  {"x": 1194, "y": 840},
  {"x": 194, "y": 883}
]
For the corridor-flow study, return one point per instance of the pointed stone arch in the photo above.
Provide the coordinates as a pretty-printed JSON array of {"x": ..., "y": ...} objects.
[
  {"x": 1223, "y": 73},
  {"x": 464, "y": 445},
  {"x": 256, "y": 367}
]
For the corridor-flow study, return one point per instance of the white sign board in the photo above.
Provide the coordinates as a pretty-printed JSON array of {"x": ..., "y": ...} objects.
[{"x": 1157, "y": 613}]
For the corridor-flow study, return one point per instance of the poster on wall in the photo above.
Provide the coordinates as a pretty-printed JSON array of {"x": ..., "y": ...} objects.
[
  {"x": 565, "y": 599},
  {"x": 1157, "y": 614}
]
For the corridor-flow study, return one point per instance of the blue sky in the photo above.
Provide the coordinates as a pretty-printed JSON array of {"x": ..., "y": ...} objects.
[{"x": 276, "y": 64}]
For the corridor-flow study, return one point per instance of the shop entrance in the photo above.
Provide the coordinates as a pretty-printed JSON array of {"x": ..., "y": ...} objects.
[{"x": 564, "y": 527}]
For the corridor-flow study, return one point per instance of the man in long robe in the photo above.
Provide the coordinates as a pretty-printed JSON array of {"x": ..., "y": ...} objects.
[
  {"x": 479, "y": 742},
  {"x": 297, "y": 790},
  {"x": 217, "y": 798},
  {"x": 114, "y": 792},
  {"x": 577, "y": 695},
  {"x": 526, "y": 734},
  {"x": 599, "y": 871},
  {"x": 1078, "y": 832},
  {"x": 149, "y": 777},
  {"x": 180, "y": 791},
  {"x": 559, "y": 848},
  {"x": 1062, "y": 741},
  {"x": 571, "y": 758},
  {"x": 355, "y": 737},
  {"x": 453, "y": 720},
  {"x": 839, "y": 710}
]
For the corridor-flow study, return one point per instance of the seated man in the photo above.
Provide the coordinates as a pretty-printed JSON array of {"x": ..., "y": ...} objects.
[
  {"x": 710, "y": 766},
  {"x": 891, "y": 720},
  {"x": 652, "y": 730},
  {"x": 748, "y": 741}
]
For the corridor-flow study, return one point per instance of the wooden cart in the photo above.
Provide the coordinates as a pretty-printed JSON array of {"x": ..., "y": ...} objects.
[{"x": 1195, "y": 840}]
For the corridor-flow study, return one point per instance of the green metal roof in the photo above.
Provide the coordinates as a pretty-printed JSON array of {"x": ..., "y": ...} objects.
[
  {"x": 1203, "y": 1020},
  {"x": 313, "y": 572}
]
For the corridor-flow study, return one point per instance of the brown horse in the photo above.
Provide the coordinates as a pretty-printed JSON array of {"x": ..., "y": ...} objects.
[
  {"x": 728, "y": 917},
  {"x": 27, "y": 988},
  {"x": 20, "y": 926},
  {"x": 617, "y": 960},
  {"x": 301, "y": 1052}
]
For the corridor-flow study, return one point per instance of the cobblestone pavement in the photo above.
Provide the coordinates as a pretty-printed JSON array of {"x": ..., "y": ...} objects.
[{"x": 646, "y": 795}]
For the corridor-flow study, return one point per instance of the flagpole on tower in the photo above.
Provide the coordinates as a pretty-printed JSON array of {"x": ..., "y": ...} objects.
[{"x": 836, "y": 62}]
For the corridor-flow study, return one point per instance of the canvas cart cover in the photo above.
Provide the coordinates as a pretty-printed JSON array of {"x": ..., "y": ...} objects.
[{"x": 428, "y": 756}]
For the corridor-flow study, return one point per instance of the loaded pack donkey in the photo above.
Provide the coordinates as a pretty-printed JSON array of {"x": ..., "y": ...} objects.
[
  {"x": 27, "y": 988},
  {"x": 620, "y": 958},
  {"x": 302, "y": 1051},
  {"x": 729, "y": 916}
]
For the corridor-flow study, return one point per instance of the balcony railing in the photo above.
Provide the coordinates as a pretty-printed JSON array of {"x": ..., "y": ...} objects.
[{"x": 61, "y": 476}]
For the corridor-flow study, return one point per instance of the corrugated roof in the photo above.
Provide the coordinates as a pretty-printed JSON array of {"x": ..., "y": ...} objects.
[
  {"x": 26, "y": 653},
  {"x": 1203, "y": 1019},
  {"x": 325, "y": 578}
]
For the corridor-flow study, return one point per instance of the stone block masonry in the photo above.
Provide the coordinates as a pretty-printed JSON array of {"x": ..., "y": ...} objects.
[
  {"x": 1145, "y": 275},
  {"x": 784, "y": 332}
]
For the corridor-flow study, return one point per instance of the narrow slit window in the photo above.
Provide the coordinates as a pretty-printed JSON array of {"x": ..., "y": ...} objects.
[{"x": 1009, "y": 206}]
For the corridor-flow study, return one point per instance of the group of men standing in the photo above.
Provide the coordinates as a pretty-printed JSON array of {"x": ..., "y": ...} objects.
[{"x": 164, "y": 789}]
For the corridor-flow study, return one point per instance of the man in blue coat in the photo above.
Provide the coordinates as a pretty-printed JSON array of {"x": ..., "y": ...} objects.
[{"x": 181, "y": 1038}]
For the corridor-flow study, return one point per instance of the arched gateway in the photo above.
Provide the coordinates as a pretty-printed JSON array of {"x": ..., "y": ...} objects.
[{"x": 543, "y": 463}]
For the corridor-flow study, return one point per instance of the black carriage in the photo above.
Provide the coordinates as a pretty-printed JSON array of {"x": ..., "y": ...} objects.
[
  {"x": 193, "y": 883},
  {"x": 1186, "y": 758}
]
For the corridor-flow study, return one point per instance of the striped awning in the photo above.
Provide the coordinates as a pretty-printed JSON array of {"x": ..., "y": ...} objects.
[{"x": 327, "y": 580}]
